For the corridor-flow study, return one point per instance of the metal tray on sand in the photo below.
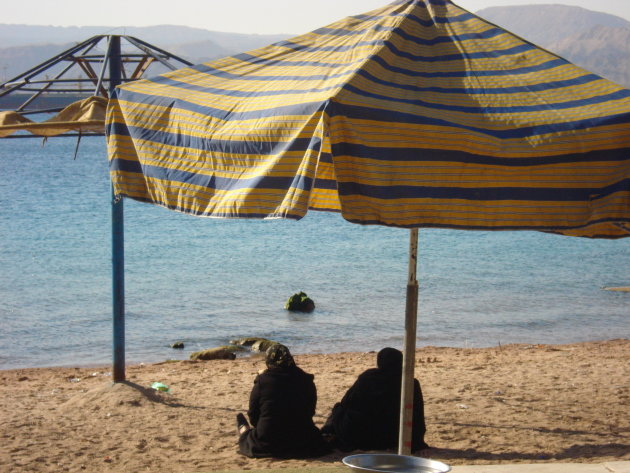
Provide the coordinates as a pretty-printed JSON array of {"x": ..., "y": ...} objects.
[{"x": 391, "y": 463}]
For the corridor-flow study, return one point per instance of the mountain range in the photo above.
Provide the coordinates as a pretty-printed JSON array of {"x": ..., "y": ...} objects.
[{"x": 598, "y": 42}]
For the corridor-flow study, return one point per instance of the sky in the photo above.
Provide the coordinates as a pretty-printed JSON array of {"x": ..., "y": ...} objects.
[{"x": 236, "y": 16}]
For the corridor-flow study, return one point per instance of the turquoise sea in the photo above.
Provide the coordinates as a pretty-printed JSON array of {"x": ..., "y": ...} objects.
[{"x": 206, "y": 281}]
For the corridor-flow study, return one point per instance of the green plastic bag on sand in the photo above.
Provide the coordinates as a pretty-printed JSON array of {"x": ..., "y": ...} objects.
[{"x": 160, "y": 387}]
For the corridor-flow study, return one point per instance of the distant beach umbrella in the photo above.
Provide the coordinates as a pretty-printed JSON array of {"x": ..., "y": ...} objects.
[{"x": 416, "y": 115}]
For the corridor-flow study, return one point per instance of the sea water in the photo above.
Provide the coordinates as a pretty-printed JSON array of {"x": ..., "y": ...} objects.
[{"x": 206, "y": 281}]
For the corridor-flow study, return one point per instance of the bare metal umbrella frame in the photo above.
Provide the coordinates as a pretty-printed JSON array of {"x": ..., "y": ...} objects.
[{"x": 33, "y": 90}]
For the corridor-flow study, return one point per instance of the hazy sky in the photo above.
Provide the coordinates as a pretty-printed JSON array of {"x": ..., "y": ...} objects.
[{"x": 239, "y": 16}]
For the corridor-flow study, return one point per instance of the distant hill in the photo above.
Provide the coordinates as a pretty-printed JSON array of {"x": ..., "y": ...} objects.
[
  {"x": 596, "y": 41},
  {"x": 602, "y": 49},
  {"x": 25, "y": 46},
  {"x": 161, "y": 35},
  {"x": 546, "y": 24},
  {"x": 19, "y": 59},
  {"x": 208, "y": 50}
]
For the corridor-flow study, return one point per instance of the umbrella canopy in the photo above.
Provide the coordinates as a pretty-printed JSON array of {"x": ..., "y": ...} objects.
[
  {"x": 418, "y": 114},
  {"x": 84, "y": 115}
]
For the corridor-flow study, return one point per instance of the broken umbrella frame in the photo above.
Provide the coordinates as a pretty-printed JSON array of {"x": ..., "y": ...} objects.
[{"x": 102, "y": 71}]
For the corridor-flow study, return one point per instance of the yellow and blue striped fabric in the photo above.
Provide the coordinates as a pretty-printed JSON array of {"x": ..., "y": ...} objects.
[{"x": 418, "y": 114}]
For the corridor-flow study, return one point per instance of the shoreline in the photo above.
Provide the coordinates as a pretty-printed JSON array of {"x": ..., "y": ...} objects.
[
  {"x": 516, "y": 403},
  {"x": 253, "y": 354}
]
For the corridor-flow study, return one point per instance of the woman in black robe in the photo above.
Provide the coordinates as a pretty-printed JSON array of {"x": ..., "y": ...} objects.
[
  {"x": 281, "y": 408},
  {"x": 368, "y": 416}
]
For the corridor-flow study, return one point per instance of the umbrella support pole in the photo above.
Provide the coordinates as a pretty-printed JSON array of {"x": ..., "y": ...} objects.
[
  {"x": 118, "y": 290},
  {"x": 409, "y": 351},
  {"x": 118, "y": 241}
]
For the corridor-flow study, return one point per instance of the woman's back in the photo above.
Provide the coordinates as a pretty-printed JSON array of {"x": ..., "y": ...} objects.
[{"x": 281, "y": 408}]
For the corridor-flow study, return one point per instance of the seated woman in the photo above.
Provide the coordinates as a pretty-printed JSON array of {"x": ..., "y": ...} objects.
[
  {"x": 281, "y": 408},
  {"x": 368, "y": 416}
]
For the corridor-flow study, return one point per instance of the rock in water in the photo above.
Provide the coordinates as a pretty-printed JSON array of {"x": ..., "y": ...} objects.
[
  {"x": 262, "y": 345},
  {"x": 255, "y": 343},
  {"x": 219, "y": 353},
  {"x": 300, "y": 302},
  {"x": 246, "y": 341}
]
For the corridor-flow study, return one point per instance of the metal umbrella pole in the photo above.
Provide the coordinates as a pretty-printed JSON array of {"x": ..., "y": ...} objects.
[
  {"x": 409, "y": 350},
  {"x": 37, "y": 94},
  {"x": 118, "y": 240}
]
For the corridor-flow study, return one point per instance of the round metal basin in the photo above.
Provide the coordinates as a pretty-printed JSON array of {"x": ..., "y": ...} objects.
[{"x": 382, "y": 462}]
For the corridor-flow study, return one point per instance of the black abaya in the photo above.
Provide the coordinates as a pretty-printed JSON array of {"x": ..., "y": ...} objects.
[{"x": 281, "y": 408}]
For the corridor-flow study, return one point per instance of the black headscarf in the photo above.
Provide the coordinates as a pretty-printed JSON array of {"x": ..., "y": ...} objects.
[
  {"x": 390, "y": 360},
  {"x": 278, "y": 356}
]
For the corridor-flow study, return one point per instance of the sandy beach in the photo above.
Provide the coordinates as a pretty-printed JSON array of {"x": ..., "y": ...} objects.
[{"x": 514, "y": 403}]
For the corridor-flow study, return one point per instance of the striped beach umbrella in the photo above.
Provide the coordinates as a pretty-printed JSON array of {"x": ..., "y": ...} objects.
[{"x": 417, "y": 114}]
